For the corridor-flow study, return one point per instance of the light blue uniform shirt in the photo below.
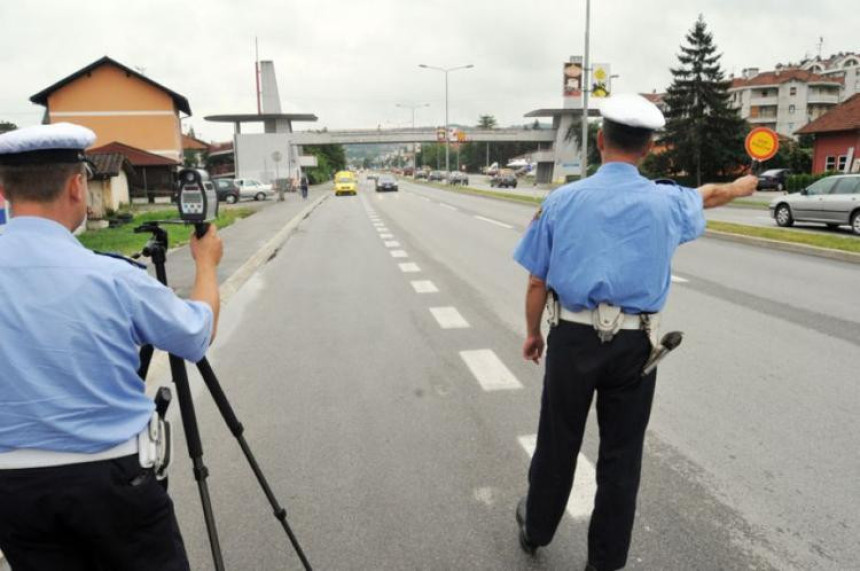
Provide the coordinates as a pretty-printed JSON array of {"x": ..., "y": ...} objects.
[
  {"x": 610, "y": 239},
  {"x": 71, "y": 323}
]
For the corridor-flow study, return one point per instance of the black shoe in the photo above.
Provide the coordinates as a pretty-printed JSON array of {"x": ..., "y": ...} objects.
[
  {"x": 527, "y": 545},
  {"x": 590, "y": 567}
]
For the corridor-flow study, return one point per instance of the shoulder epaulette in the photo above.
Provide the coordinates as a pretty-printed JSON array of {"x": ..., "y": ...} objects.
[
  {"x": 666, "y": 181},
  {"x": 116, "y": 256}
]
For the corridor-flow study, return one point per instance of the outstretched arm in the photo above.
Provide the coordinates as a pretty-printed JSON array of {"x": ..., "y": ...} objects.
[{"x": 714, "y": 195}]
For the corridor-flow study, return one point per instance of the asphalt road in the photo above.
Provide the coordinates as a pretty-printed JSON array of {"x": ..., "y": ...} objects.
[{"x": 396, "y": 426}]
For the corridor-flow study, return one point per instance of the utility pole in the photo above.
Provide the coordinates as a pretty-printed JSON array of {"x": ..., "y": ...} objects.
[{"x": 586, "y": 86}]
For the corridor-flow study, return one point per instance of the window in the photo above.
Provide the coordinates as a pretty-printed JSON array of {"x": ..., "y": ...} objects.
[
  {"x": 822, "y": 186},
  {"x": 791, "y": 109},
  {"x": 829, "y": 163},
  {"x": 840, "y": 166},
  {"x": 791, "y": 127},
  {"x": 848, "y": 185},
  {"x": 792, "y": 91}
]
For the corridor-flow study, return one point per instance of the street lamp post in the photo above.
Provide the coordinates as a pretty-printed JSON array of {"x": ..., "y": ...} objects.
[
  {"x": 583, "y": 161},
  {"x": 446, "y": 71},
  {"x": 413, "y": 107}
]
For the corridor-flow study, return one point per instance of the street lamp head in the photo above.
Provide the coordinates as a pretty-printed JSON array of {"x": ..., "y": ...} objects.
[{"x": 422, "y": 65}]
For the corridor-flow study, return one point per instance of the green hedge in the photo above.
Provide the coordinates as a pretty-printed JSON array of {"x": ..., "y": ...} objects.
[{"x": 797, "y": 182}]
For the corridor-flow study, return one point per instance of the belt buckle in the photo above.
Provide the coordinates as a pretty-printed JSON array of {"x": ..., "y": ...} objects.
[{"x": 607, "y": 320}]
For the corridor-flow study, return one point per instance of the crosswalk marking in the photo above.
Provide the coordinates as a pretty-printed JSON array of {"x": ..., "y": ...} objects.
[
  {"x": 489, "y": 370},
  {"x": 496, "y": 222},
  {"x": 449, "y": 318},
  {"x": 409, "y": 268},
  {"x": 424, "y": 286},
  {"x": 581, "y": 501},
  {"x": 399, "y": 254}
]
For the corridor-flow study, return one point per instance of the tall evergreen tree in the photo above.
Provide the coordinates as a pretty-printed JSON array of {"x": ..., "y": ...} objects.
[{"x": 704, "y": 134}]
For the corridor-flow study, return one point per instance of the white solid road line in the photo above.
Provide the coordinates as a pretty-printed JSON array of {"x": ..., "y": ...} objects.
[
  {"x": 677, "y": 280},
  {"x": 496, "y": 222},
  {"x": 386, "y": 236},
  {"x": 448, "y": 206},
  {"x": 581, "y": 501},
  {"x": 399, "y": 254},
  {"x": 489, "y": 370},
  {"x": 392, "y": 244},
  {"x": 409, "y": 268},
  {"x": 424, "y": 286},
  {"x": 449, "y": 318}
]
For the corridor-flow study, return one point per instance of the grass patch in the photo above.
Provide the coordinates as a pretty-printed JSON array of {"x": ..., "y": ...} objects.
[
  {"x": 123, "y": 240},
  {"x": 841, "y": 243},
  {"x": 754, "y": 204},
  {"x": 491, "y": 193}
]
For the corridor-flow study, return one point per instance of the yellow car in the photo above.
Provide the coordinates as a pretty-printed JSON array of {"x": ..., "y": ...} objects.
[{"x": 345, "y": 182}]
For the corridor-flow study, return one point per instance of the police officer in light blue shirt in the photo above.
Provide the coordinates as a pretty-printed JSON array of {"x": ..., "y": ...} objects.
[
  {"x": 73, "y": 494},
  {"x": 602, "y": 248}
]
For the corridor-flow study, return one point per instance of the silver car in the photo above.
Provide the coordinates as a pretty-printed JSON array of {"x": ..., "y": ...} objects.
[{"x": 834, "y": 201}]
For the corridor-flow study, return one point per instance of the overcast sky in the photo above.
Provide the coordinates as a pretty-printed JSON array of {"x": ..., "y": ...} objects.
[{"x": 351, "y": 61}]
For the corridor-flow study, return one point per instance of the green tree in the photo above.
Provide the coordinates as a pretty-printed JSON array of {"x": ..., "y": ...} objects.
[
  {"x": 575, "y": 132},
  {"x": 330, "y": 159},
  {"x": 704, "y": 134},
  {"x": 487, "y": 122},
  {"x": 6, "y": 126}
]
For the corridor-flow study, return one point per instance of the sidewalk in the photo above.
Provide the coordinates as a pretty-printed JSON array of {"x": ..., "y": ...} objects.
[{"x": 241, "y": 240}]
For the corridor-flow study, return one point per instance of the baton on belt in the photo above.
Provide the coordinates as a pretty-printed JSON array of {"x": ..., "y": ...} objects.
[{"x": 669, "y": 343}]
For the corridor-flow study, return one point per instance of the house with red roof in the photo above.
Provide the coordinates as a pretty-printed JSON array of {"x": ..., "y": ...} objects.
[
  {"x": 837, "y": 138},
  {"x": 785, "y": 99}
]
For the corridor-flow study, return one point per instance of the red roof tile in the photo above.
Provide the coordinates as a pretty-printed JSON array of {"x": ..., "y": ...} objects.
[
  {"x": 843, "y": 117},
  {"x": 774, "y": 78},
  {"x": 137, "y": 157},
  {"x": 192, "y": 143}
]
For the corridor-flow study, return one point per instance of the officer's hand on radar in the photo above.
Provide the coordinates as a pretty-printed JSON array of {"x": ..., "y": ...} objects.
[
  {"x": 533, "y": 348},
  {"x": 745, "y": 185},
  {"x": 208, "y": 249}
]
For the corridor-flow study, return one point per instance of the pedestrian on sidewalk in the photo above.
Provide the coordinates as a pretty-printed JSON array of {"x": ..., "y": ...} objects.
[
  {"x": 600, "y": 250},
  {"x": 304, "y": 186},
  {"x": 73, "y": 492}
]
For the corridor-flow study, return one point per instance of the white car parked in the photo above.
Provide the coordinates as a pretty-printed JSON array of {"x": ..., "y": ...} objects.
[{"x": 251, "y": 188}]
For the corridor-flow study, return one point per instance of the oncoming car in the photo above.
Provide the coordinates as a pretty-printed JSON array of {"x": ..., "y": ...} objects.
[{"x": 345, "y": 182}]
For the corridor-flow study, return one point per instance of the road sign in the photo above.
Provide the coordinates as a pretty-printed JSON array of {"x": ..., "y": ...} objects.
[
  {"x": 440, "y": 134},
  {"x": 762, "y": 144}
]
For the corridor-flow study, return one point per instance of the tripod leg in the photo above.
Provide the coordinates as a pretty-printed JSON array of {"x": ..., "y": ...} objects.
[
  {"x": 145, "y": 359},
  {"x": 237, "y": 429},
  {"x": 195, "y": 451}
]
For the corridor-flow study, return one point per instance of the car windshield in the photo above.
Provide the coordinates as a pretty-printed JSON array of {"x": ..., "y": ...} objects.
[
  {"x": 386, "y": 178},
  {"x": 344, "y": 179}
]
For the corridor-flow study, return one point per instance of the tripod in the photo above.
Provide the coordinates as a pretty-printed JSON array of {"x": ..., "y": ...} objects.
[{"x": 156, "y": 249}]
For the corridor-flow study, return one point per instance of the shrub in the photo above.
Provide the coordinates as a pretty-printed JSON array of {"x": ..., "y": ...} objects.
[{"x": 797, "y": 182}]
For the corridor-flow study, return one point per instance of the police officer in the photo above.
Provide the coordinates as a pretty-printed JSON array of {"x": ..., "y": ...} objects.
[
  {"x": 73, "y": 493},
  {"x": 602, "y": 247}
]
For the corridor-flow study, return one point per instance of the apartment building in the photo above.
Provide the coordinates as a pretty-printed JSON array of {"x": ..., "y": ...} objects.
[
  {"x": 785, "y": 99},
  {"x": 844, "y": 67}
]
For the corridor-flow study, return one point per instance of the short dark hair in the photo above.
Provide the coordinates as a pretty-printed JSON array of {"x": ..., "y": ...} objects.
[
  {"x": 626, "y": 138},
  {"x": 38, "y": 182}
]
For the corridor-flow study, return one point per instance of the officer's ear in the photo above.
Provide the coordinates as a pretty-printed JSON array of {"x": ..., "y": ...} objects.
[
  {"x": 76, "y": 188},
  {"x": 600, "y": 142}
]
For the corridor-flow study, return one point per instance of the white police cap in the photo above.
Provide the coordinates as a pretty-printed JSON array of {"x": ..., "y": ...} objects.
[
  {"x": 43, "y": 144},
  {"x": 632, "y": 110}
]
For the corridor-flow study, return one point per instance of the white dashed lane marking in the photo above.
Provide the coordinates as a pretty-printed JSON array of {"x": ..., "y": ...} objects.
[
  {"x": 496, "y": 222},
  {"x": 392, "y": 244},
  {"x": 424, "y": 286},
  {"x": 449, "y": 318},
  {"x": 409, "y": 268},
  {"x": 399, "y": 254},
  {"x": 677, "y": 280},
  {"x": 489, "y": 370},
  {"x": 386, "y": 236},
  {"x": 448, "y": 206},
  {"x": 581, "y": 501}
]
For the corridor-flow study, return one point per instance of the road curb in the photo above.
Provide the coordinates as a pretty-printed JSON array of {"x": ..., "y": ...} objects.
[
  {"x": 160, "y": 365},
  {"x": 792, "y": 247}
]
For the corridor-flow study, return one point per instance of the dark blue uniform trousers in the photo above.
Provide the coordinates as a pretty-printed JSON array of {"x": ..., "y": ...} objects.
[
  {"x": 110, "y": 515},
  {"x": 577, "y": 366}
]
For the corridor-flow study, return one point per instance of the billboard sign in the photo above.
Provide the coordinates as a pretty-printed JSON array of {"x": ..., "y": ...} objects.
[
  {"x": 573, "y": 73},
  {"x": 600, "y": 80}
]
